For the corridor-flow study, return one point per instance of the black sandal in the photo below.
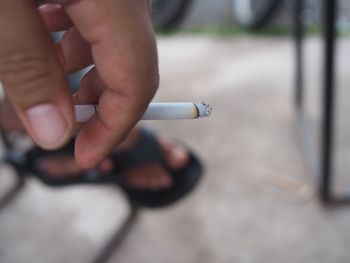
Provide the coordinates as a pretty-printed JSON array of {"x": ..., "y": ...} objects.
[{"x": 145, "y": 150}]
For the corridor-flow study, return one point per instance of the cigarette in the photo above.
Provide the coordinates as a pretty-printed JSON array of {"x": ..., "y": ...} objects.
[{"x": 155, "y": 111}]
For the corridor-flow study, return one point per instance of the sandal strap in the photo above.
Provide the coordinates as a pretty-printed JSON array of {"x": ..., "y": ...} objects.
[{"x": 145, "y": 150}]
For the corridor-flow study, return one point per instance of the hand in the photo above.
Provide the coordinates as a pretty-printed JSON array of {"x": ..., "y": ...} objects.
[{"x": 115, "y": 35}]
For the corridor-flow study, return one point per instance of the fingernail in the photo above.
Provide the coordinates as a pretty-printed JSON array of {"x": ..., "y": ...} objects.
[{"x": 48, "y": 125}]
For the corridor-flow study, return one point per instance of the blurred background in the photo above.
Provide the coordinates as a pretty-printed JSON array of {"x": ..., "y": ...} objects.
[{"x": 258, "y": 201}]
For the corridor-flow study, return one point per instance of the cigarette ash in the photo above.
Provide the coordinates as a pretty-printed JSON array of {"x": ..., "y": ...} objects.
[{"x": 204, "y": 109}]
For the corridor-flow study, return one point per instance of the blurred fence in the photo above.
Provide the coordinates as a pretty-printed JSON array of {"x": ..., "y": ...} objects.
[{"x": 218, "y": 12}]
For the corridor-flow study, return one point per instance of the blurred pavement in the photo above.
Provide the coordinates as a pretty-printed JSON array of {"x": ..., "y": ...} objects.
[{"x": 256, "y": 203}]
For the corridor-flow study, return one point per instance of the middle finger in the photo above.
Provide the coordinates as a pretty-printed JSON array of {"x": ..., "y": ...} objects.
[
  {"x": 73, "y": 51},
  {"x": 91, "y": 88}
]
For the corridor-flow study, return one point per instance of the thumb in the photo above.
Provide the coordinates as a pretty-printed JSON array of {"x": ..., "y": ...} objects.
[{"x": 32, "y": 76}]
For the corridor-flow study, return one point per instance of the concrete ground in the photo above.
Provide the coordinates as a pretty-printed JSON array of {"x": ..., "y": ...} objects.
[{"x": 256, "y": 203}]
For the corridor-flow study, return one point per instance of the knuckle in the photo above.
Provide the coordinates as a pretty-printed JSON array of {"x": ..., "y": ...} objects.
[
  {"x": 156, "y": 80},
  {"x": 25, "y": 72},
  {"x": 153, "y": 83}
]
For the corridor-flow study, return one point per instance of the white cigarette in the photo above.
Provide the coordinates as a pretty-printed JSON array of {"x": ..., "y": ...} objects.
[{"x": 155, "y": 111}]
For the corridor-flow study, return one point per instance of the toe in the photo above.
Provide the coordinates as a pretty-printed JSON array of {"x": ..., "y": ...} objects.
[
  {"x": 60, "y": 166},
  {"x": 106, "y": 166},
  {"x": 151, "y": 176},
  {"x": 175, "y": 154}
]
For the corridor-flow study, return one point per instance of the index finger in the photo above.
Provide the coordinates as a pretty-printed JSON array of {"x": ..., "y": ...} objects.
[{"x": 124, "y": 51}]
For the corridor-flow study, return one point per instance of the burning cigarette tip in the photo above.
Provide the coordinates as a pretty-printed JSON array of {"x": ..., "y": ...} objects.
[{"x": 204, "y": 109}]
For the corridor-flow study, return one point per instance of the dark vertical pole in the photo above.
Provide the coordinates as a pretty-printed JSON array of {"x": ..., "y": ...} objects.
[
  {"x": 328, "y": 101},
  {"x": 298, "y": 35}
]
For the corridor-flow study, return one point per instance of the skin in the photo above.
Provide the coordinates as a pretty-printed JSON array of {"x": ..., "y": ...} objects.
[{"x": 114, "y": 35}]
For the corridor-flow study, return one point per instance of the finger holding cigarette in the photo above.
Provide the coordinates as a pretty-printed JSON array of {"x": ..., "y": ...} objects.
[{"x": 155, "y": 111}]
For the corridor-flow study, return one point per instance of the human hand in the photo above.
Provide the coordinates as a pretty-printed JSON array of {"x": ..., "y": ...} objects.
[{"x": 115, "y": 35}]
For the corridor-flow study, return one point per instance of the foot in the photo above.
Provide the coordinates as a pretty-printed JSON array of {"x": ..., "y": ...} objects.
[{"x": 151, "y": 176}]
